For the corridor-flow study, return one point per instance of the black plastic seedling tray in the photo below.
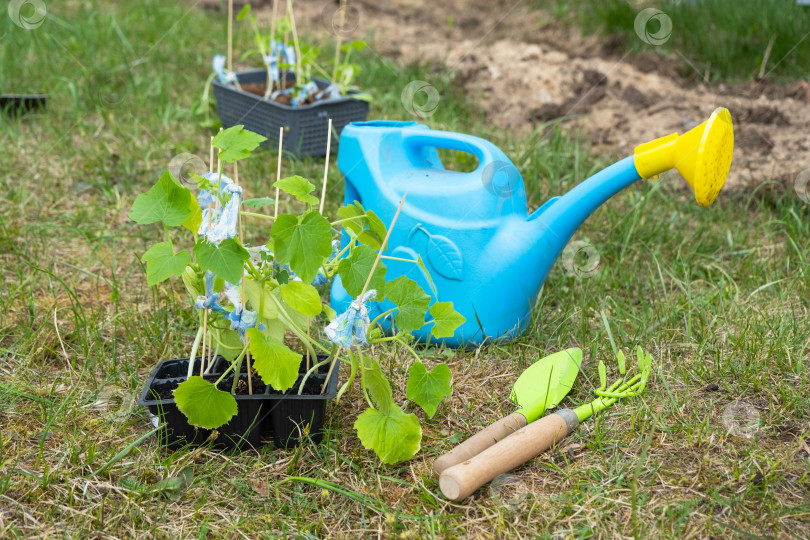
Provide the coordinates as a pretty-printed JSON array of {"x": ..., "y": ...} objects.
[
  {"x": 285, "y": 416},
  {"x": 305, "y": 128}
]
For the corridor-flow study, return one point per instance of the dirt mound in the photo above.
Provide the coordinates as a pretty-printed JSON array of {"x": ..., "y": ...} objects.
[{"x": 524, "y": 69}]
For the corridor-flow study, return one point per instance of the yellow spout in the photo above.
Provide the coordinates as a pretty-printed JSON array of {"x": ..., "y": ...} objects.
[{"x": 702, "y": 155}]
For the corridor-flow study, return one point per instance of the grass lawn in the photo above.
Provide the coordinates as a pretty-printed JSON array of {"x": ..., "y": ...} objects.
[
  {"x": 720, "y": 40},
  {"x": 719, "y": 296}
]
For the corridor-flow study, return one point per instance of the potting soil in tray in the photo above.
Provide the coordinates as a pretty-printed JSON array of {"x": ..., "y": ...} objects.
[
  {"x": 287, "y": 416},
  {"x": 305, "y": 128}
]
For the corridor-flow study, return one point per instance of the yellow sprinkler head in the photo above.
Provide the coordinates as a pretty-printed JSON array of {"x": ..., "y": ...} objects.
[{"x": 702, "y": 155}]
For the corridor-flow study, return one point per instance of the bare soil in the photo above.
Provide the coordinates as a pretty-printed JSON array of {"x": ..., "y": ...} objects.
[{"x": 524, "y": 69}]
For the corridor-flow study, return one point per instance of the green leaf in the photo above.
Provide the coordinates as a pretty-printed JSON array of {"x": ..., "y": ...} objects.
[
  {"x": 354, "y": 272},
  {"x": 167, "y": 202},
  {"x": 203, "y": 404},
  {"x": 243, "y": 13},
  {"x": 355, "y": 211},
  {"x": 375, "y": 385},
  {"x": 259, "y": 202},
  {"x": 376, "y": 225},
  {"x": 302, "y": 297},
  {"x": 225, "y": 261},
  {"x": 228, "y": 341},
  {"x": 428, "y": 388},
  {"x": 299, "y": 187},
  {"x": 412, "y": 302},
  {"x": 375, "y": 234},
  {"x": 275, "y": 363},
  {"x": 447, "y": 319},
  {"x": 194, "y": 220},
  {"x": 622, "y": 362},
  {"x": 305, "y": 243},
  {"x": 258, "y": 295},
  {"x": 236, "y": 143},
  {"x": 394, "y": 436},
  {"x": 162, "y": 262},
  {"x": 602, "y": 376}
]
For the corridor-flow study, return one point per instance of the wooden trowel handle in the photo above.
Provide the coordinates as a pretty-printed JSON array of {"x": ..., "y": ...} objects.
[
  {"x": 479, "y": 442},
  {"x": 460, "y": 481}
]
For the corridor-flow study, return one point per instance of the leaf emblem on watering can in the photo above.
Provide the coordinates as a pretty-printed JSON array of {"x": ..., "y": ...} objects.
[{"x": 442, "y": 254}]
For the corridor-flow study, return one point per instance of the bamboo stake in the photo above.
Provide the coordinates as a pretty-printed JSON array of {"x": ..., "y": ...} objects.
[
  {"x": 382, "y": 248},
  {"x": 242, "y": 291},
  {"x": 283, "y": 75},
  {"x": 368, "y": 280},
  {"x": 298, "y": 68},
  {"x": 308, "y": 325},
  {"x": 278, "y": 170},
  {"x": 205, "y": 329},
  {"x": 326, "y": 166},
  {"x": 211, "y": 155},
  {"x": 230, "y": 35},
  {"x": 273, "y": 24},
  {"x": 269, "y": 89},
  {"x": 337, "y": 46}
]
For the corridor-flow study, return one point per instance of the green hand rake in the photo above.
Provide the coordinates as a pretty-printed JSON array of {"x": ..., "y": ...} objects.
[{"x": 460, "y": 481}]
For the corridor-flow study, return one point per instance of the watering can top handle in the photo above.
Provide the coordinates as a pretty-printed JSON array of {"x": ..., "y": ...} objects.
[{"x": 485, "y": 151}]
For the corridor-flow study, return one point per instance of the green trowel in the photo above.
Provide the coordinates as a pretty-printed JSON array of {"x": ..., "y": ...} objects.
[{"x": 540, "y": 388}]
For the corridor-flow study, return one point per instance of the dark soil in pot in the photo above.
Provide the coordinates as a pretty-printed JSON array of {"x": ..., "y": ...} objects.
[{"x": 286, "y": 416}]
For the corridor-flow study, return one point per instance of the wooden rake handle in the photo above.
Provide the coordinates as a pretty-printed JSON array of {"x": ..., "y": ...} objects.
[
  {"x": 460, "y": 481},
  {"x": 479, "y": 442}
]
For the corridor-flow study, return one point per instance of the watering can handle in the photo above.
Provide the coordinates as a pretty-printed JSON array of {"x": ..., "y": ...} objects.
[
  {"x": 480, "y": 442},
  {"x": 460, "y": 481},
  {"x": 485, "y": 151}
]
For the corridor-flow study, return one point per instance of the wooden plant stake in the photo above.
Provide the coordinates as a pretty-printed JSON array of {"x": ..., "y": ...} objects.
[
  {"x": 278, "y": 169},
  {"x": 230, "y": 35},
  {"x": 203, "y": 364},
  {"x": 368, "y": 280},
  {"x": 242, "y": 288},
  {"x": 298, "y": 69},
  {"x": 205, "y": 329},
  {"x": 337, "y": 45},
  {"x": 308, "y": 326},
  {"x": 326, "y": 165}
]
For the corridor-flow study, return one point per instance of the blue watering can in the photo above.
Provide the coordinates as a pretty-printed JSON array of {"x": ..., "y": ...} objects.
[{"x": 484, "y": 251}]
